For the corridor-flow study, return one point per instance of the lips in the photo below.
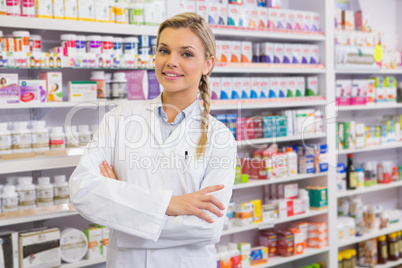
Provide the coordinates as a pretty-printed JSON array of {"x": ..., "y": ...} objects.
[{"x": 172, "y": 74}]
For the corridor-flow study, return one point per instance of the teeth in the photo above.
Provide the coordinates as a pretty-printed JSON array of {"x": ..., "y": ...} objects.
[{"x": 172, "y": 75}]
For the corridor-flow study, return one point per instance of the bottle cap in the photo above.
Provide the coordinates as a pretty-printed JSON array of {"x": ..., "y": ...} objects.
[
  {"x": 8, "y": 189},
  {"x": 44, "y": 180},
  {"x": 68, "y": 37},
  {"x": 60, "y": 178}
]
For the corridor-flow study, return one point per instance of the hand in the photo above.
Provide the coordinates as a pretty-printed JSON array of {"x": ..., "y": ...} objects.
[
  {"x": 107, "y": 171},
  {"x": 191, "y": 204}
]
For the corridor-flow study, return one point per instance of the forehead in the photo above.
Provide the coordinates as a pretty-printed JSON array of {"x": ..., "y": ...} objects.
[{"x": 182, "y": 37}]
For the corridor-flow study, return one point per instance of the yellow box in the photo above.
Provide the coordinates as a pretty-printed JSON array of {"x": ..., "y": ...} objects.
[{"x": 257, "y": 216}]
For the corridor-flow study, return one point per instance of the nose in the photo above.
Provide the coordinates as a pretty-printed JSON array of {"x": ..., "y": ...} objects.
[{"x": 172, "y": 60}]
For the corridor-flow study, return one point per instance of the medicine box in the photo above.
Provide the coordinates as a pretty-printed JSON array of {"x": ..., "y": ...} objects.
[
  {"x": 33, "y": 90},
  {"x": 278, "y": 53},
  {"x": 370, "y": 91},
  {"x": 85, "y": 10},
  {"x": 226, "y": 88},
  {"x": 359, "y": 91},
  {"x": 226, "y": 48},
  {"x": 258, "y": 256},
  {"x": 315, "y": 26},
  {"x": 245, "y": 250},
  {"x": 44, "y": 9},
  {"x": 9, "y": 88},
  {"x": 54, "y": 85},
  {"x": 348, "y": 20},
  {"x": 236, "y": 51},
  {"x": 362, "y": 21},
  {"x": 288, "y": 53},
  {"x": 263, "y": 17},
  {"x": 105, "y": 237},
  {"x": 267, "y": 52},
  {"x": 297, "y": 54},
  {"x": 94, "y": 236},
  {"x": 273, "y": 18},
  {"x": 312, "y": 86},
  {"x": 282, "y": 19},
  {"x": 306, "y": 54},
  {"x": 213, "y": 13},
  {"x": 70, "y": 13},
  {"x": 82, "y": 90},
  {"x": 187, "y": 6},
  {"x": 244, "y": 214},
  {"x": 234, "y": 15},
  {"x": 39, "y": 248},
  {"x": 291, "y": 20},
  {"x": 343, "y": 92},
  {"x": 58, "y": 9},
  {"x": 314, "y": 54},
  {"x": 308, "y": 21},
  {"x": 299, "y": 244},
  {"x": 390, "y": 86},
  {"x": 381, "y": 92},
  {"x": 201, "y": 8},
  {"x": 215, "y": 84},
  {"x": 257, "y": 210},
  {"x": 318, "y": 197},
  {"x": 246, "y": 52}
]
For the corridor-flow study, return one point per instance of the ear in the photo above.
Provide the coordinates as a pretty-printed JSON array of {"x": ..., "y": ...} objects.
[{"x": 209, "y": 63}]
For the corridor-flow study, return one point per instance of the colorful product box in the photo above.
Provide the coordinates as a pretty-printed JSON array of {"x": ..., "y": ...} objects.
[
  {"x": 269, "y": 239},
  {"x": 255, "y": 88},
  {"x": 381, "y": 92},
  {"x": 362, "y": 21},
  {"x": 218, "y": 50},
  {"x": 94, "y": 236},
  {"x": 44, "y": 9},
  {"x": 234, "y": 15},
  {"x": 288, "y": 53},
  {"x": 308, "y": 21},
  {"x": 300, "y": 86},
  {"x": 215, "y": 84},
  {"x": 236, "y": 88},
  {"x": 303, "y": 228},
  {"x": 285, "y": 243},
  {"x": 291, "y": 87},
  {"x": 390, "y": 85},
  {"x": 32, "y": 90},
  {"x": 278, "y": 53},
  {"x": 264, "y": 82},
  {"x": 312, "y": 86},
  {"x": 256, "y": 52},
  {"x": 254, "y": 18},
  {"x": 306, "y": 54},
  {"x": 282, "y": 19},
  {"x": 82, "y": 90},
  {"x": 287, "y": 191},
  {"x": 246, "y": 52},
  {"x": 343, "y": 92},
  {"x": 283, "y": 86},
  {"x": 297, "y": 54},
  {"x": 349, "y": 135},
  {"x": 359, "y": 92},
  {"x": 226, "y": 88},
  {"x": 267, "y": 52},
  {"x": 314, "y": 54},
  {"x": 244, "y": 214},
  {"x": 257, "y": 214},
  {"x": 54, "y": 85},
  {"x": 348, "y": 20},
  {"x": 244, "y": 16},
  {"x": 315, "y": 26},
  {"x": 318, "y": 197},
  {"x": 223, "y": 14},
  {"x": 245, "y": 251},
  {"x": 262, "y": 17},
  {"x": 274, "y": 87},
  {"x": 338, "y": 18},
  {"x": 298, "y": 237},
  {"x": 236, "y": 51},
  {"x": 187, "y": 6},
  {"x": 291, "y": 20},
  {"x": 299, "y": 21},
  {"x": 245, "y": 88},
  {"x": 258, "y": 256},
  {"x": 368, "y": 253},
  {"x": 9, "y": 88},
  {"x": 226, "y": 48},
  {"x": 273, "y": 18},
  {"x": 213, "y": 13},
  {"x": 201, "y": 8}
]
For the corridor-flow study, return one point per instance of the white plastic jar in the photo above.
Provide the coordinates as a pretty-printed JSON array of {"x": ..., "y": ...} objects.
[
  {"x": 84, "y": 134},
  {"x": 11, "y": 180},
  {"x": 21, "y": 41},
  {"x": 136, "y": 14},
  {"x": 5, "y": 139},
  {"x": 57, "y": 139},
  {"x": 121, "y": 13},
  {"x": 68, "y": 42},
  {"x": 13, "y": 7},
  {"x": 131, "y": 46},
  {"x": 80, "y": 44},
  {"x": 21, "y": 138},
  {"x": 28, "y": 8},
  {"x": 119, "y": 85},
  {"x": 40, "y": 136},
  {"x": 72, "y": 139},
  {"x": 99, "y": 78},
  {"x": 61, "y": 191},
  {"x": 35, "y": 43},
  {"x": 94, "y": 44},
  {"x": 117, "y": 45},
  {"x": 26, "y": 193},
  {"x": 44, "y": 192},
  {"x": 9, "y": 199},
  {"x": 73, "y": 245},
  {"x": 107, "y": 44}
]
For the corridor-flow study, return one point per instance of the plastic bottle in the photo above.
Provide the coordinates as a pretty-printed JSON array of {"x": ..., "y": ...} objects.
[
  {"x": 61, "y": 191},
  {"x": 72, "y": 138},
  {"x": 5, "y": 139},
  {"x": 107, "y": 44},
  {"x": 21, "y": 139},
  {"x": 44, "y": 192},
  {"x": 11, "y": 180},
  {"x": 40, "y": 136},
  {"x": 94, "y": 44},
  {"x": 224, "y": 257},
  {"x": 26, "y": 193},
  {"x": 119, "y": 85},
  {"x": 57, "y": 139},
  {"x": 131, "y": 46},
  {"x": 117, "y": 45},
  {"x": 84, "y": 135},
  {"x": 136, "y": 13},
  {"x": 351, "y": 175},
  {"x": 235, "y": 256},
  {"x": 395, "y": 174},
  {"x": 360, "y": 178},
  {"x": 108, "y": 86},
  {"x": 303, "y": 195},
  {"x": 9, "y": 199},
  {"x": 68, "y": 42},
  {"x": 292, "y": 161},
  {"x": 99, "y": 78},
  {"x": 340, "y": 260},
  {"x": 80, "y": 44},
  {"x": 35, "y": 43},
  {"x": 393, "y": 247},
  {"x": 399, "y": 234},
  {"x": 121, "y": 13}
]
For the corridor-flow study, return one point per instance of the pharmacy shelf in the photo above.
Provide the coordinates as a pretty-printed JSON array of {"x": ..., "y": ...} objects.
[
  {"x": 367, "y": 71},
  {"x": 370, "y": 107},
  {"x": 216, "y": 105},
  {"x": 267, "y": 68},
  {"x": 385, "y": 146},
  {"x": 276, "y": 261},
  {"x": 265, "y": 33},
  {"x": 374, "y": 188},
  {"x": 238, "y": 229},
  {"x": 389, "y": 264},
  {"x": 393, "y": 228},
  {"x": 73, "y": 26},
  {"x": 71, "y": 159},
  {"x": 84, "y": 263},
  {"x": 258, "y": 183},
  {"x": 36, "y": 214},
  {"x": 255, "y": 142}
]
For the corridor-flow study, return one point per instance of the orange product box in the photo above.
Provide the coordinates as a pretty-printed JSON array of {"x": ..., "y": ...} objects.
[
  {"x": 317, "y": 226},
  {"x": 298, "y": 241},
  {"x": 236, "y": 51},
  {"x": 303, "y": 227},
  {"x": 226, "y": 51},
  {"x": 246, "y": 51},
  {"x": 317, "y": 243}
]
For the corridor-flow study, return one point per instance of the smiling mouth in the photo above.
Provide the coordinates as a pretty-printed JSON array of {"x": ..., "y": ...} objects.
[{"x": 173, "y": 75}]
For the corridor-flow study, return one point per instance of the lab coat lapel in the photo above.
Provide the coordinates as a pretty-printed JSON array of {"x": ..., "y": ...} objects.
[{"x": 154, "y": 123}]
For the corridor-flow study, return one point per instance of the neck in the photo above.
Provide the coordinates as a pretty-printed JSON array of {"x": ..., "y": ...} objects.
[{"x": 174, "y": 102}]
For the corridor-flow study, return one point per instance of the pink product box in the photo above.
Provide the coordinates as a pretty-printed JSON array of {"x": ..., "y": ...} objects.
[
  {"x": 343, "y": 92},
  {"x": 359, "y": 92},
  {"x": 240, "y": 127},
  {"x": 273, "y": 18}
]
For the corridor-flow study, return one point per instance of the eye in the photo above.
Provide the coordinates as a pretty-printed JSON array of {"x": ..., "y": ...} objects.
[
  {"x": 188, "y": 54},
  {"x": 163, "y": 51}
]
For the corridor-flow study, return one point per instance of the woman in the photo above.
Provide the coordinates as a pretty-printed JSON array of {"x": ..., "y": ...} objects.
[{"x": 173, "y": 163}]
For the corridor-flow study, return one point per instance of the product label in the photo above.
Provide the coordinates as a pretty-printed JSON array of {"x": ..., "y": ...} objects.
[
  {"x": 353, "y": 182},
  {"x": 5, "y": 143},
  {"x": 9, "y": 204},
  {"x": 40, "y": 140},
  {"x": 21, "y": 141},
  {"x": 26, "y": 198},
  {"x": 61, "y": 192},
  {"x": 45, "y": 196}
]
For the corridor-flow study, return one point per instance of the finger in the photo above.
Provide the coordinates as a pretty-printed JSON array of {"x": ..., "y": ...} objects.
[
  {"x": 202, "y": 215},
  {"x": 211, "y": 189},
  {"x": 213, "y": 200},
  {"x": 103, "y": 170},
  {"x": 211, "y": 208},
  {"x": 110, "y": 172}
]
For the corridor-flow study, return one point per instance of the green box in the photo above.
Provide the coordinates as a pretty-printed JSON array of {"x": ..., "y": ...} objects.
[{"x": 318, "y": 197}]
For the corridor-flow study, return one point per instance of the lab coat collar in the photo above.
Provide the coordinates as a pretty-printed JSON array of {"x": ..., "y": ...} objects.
[{"x": 196, "y": 113}]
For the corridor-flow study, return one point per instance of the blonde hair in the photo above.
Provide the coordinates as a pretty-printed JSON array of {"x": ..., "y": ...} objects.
[{"x": 199, "y": 27}]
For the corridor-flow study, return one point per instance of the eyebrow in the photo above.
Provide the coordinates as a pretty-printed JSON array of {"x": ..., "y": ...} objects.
[{"x": 186, "y": 47}]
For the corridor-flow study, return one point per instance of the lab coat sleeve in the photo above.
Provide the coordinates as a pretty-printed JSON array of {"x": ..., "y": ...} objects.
[
  {"x": 191, "y": 230},
  {"x": 115, "y": 204}
]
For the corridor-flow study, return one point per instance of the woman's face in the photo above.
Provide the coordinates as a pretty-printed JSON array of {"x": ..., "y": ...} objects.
[{"x": 180, "y": 60}]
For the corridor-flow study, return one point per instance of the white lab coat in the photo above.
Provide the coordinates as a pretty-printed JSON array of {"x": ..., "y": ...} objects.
[{"x": 129, "y": 138}]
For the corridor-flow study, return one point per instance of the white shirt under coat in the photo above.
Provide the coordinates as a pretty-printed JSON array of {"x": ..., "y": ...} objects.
[{"x": 142, "y": 235}]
